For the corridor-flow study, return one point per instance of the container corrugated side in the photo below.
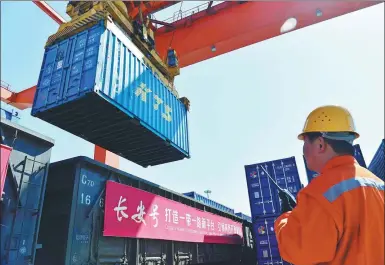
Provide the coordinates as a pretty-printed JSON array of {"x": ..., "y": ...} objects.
[
  {"x": 95, "y": 85},
  {"x": 209, "y": 202},
  {"x": 74, "y": 203},
  {"x": 263, "y": 195},
  {"x": 377, "y": 165},
  {"x": 24, "y": 190},
  {"x": 266, "y": 241},
  {"x": 357, "y": 155}
]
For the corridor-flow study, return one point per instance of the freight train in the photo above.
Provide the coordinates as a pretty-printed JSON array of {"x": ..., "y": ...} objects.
[
  {"x": 54, "y": 213},
  {"x": 24, "y": 170}
]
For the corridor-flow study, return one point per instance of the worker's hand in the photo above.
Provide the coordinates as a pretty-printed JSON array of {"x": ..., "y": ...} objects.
[{"x": 287, "y": 204}]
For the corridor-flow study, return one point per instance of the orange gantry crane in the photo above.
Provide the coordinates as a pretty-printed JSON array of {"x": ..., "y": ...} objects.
[{"x": 210, "y": 30}]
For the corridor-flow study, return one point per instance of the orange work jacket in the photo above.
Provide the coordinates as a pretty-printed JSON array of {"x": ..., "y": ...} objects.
[{"x": 338, "y": 220}]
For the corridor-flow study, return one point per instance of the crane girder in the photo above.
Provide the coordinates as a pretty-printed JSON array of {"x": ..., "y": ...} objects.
[
  {"x": 235, "y": 24},
  {"x": 220, "y": 29},
  {"x": 146, "y": 7},
  {"x": 211, "y": 32}
]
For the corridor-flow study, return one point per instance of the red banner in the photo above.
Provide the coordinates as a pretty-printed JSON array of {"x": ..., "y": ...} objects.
[
  {"x": 5, "y": 153},
  {"x": 130, "y": 212}
]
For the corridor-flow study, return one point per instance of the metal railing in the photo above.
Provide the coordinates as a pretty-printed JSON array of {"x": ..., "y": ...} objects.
[
  {"x": 5, "y": 85},
  {"x": 179, "y": 15}
]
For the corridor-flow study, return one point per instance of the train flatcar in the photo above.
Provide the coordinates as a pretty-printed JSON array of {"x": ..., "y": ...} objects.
[{"x": 96, "y": 214}]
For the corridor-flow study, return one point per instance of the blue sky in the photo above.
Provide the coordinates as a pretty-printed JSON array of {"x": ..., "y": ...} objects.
[{"x": 246, "y": 106}]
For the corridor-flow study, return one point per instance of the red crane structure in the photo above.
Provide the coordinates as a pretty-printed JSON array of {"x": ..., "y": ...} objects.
[{"x": 210, "y": 30}]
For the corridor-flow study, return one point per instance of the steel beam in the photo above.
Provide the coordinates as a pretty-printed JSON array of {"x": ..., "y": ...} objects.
[{"x": 50, "y": 11}]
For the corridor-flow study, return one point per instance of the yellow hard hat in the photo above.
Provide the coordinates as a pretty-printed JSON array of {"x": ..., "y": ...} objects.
[{"x": 329, "y": 119}]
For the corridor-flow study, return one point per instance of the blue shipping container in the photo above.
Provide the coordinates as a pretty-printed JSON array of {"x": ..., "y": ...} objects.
[
  {"x": 96, "y": 86},
  {"x": 263, "y": 195},
  {"x": 377, "y": 165},
  {"x": 209, "y": 202},
  {"x": 357, "y": 154},
  {"x": 266, "y": 241},
  {"x": 244, "y": 217}
]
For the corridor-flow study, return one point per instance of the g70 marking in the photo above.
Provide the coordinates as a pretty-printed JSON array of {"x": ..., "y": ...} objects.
[{"x": 87, "y": 182}]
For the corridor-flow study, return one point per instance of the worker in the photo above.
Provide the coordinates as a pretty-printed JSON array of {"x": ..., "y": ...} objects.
[{"x": 339, "y": 216}]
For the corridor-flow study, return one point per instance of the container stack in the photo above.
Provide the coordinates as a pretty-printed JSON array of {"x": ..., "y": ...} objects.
[
  {"x": 357, "y": 155},
  {"x": 265, "y": 203}
]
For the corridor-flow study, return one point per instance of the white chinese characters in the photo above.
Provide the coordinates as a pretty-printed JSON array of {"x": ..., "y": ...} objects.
[
  {"x": 120, "y": 209},
  {"x": 168, "y": 215},
  {"x": 175, "y": 219},
  {"x": 154, "y": 215},
  {"x": 188, "y": 219},
  {"x": 139, "y": 216},
  {"x": 229, "y": 229}
]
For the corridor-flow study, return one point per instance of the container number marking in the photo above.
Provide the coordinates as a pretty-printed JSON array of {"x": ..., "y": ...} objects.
[
  {"x": 85, "y": 199},
  {"x": 87, "y": 182},
  {"x": 83, "y": 239}
]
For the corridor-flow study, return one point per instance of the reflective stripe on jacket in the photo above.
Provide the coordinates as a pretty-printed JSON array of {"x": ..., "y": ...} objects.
[{"x": 338, "y": 220}]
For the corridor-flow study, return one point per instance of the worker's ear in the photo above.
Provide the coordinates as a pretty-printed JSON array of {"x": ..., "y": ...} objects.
[{"x": 321, "y": 144}]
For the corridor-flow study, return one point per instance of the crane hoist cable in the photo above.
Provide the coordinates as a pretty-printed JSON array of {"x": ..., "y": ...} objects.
[{"x": 173, "y": 33}]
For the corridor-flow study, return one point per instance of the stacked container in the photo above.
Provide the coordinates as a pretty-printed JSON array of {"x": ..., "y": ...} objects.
[
  {"x": 357, "y": 155},
  {"x": 266, "y": 242},
  {"x": 265, "y": 203}
]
